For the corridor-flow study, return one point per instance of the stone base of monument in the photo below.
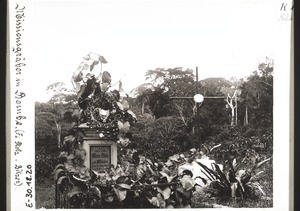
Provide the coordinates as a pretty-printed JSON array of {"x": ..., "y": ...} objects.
[{"x": 101, "y": 153}]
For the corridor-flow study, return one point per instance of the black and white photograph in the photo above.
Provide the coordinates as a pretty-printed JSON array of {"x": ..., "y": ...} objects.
[{"x": 150, "y": 104}]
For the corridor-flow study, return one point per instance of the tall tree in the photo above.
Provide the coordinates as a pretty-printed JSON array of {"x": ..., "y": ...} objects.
[
  {"x": 160, "y": 103},
  {"x": 232, "y": 95},
  {"x": 53, "y": 113},
  {"x": 257, "y": 95},
  {"x": 142, "y": 94},
  {"x": 175, "y": 82}
]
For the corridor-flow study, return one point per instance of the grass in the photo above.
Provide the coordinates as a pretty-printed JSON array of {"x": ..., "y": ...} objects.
[
  {"x": 45, "y": 193},
  {"x": 230, "y": 202}
]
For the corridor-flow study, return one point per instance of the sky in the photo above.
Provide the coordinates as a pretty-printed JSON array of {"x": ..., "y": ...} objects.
[{"x": 222, "y": 38}]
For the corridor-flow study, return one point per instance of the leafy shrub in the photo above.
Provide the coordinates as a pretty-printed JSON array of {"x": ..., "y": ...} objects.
[
  {"x": 44, "y": 165},
  {"x": 162, "y": 138},
  {"x": 237, "y": 142}
]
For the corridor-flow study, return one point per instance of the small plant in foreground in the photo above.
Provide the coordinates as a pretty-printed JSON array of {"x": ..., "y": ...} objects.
[{"x": 233, "y": 181}]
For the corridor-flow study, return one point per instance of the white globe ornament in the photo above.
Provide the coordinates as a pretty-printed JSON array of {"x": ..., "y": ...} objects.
[
  {"x": 198, "y": 98},
  {"x": 101, "y": 135}
]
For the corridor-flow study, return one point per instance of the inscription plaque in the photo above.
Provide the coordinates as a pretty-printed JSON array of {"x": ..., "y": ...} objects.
[
  {"x": 100, "y": 154},
  {"x": 100, "y": 157}
]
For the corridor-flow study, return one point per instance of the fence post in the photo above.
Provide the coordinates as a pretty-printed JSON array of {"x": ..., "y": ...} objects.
[{"x": 57, "y": 198}]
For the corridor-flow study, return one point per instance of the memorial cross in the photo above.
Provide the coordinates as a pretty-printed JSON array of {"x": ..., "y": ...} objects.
[{"x": 198, "y": 98}]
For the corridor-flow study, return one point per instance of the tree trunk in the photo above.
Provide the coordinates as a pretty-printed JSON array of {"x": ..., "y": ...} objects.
[
  {"x": 236, "y": 107},
  {"x": 59, "y": 136},
  {"x": 229, "y": 101},
  {"x": 232, "y": 116},
  {"x": 58, "y": 127},
  {"x": 246, "y": 117},
  {"x": 143, "y": 107}
]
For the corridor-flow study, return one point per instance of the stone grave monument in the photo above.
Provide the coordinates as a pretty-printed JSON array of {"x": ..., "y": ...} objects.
[{"x": 103, "y": 117}]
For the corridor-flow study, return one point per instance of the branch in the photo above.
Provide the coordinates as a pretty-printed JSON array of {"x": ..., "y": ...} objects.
[
  {"x": 234, "y": 94},
  {"x": 157, "y": 185},
  {"x": 266, "y": 83},
  {"x": 181, "y": 115},
  {"x": 227, "y": 99},
  {"x": 48, "y": 113},
  {"x": 229, "y": 103}
]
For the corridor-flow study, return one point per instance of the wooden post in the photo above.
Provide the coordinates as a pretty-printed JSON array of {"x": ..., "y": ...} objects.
[
  {"x": 57, "y": 197},
  {"x": 198, "y": 109},
  {"x": 197, "y": 86},
  {"x": 236, "y": 111}
]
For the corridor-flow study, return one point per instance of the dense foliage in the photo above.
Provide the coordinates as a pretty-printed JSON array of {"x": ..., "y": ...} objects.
[
  {"x": 146, "y": 184},
  {"x": 165, "y": 127}
]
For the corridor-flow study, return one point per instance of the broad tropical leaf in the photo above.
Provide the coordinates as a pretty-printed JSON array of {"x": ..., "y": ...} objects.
[
  {"x": 170, "y": 206},
  {"x": 234, "y": 164},
  {"x": 187, "y": 182},
  {"x": 221, "y": 175},
  {"x": 58, "y": 173},
  {"x": 106, "y": 77},
  {"x": 261, "y": 163},
  {"x": 257, "y": 185},
  {"x": 59, "y": 166},
  {"x": 233, "y": 187},
  {"x": 255, "y": 177},
  {"x": 124, "y": 186},
  {"x": 210, "y": 172},
  {"x": 162, "y": 202},
  {"x": 61, "y": 179},
  {"x": 166, "y": 192},
  {"x": 214, "y": 147},
  {"x": 121, "y": 194},
  {"x": 187, "y": 206},
  {"x": 94, "y": 190},
  {"x": 154, "y": 201},
  {"x": 240, "y": 183},
  {"x": 75, "y": 190},
  {"x": 187, "y": 194},
  {"x": 109, "y": 199},
  {"x": 62, "y": 154}
]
